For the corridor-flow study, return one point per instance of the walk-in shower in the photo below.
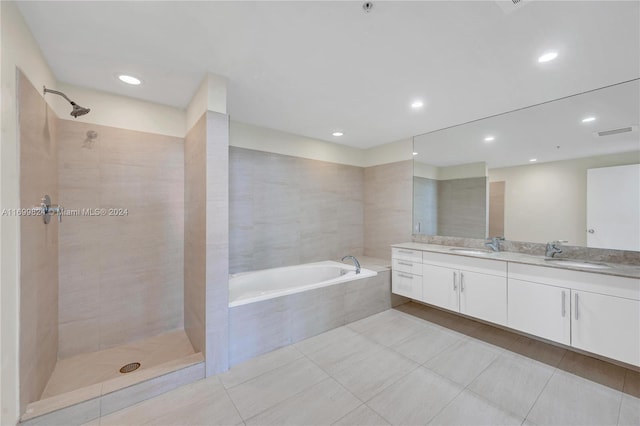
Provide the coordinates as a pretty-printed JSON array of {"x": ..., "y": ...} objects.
[{"x": 77, "y": 109}]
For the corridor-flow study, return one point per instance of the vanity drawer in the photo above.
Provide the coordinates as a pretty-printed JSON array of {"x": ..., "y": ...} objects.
[
  {"x": 406, "y": 254},
  {"x": 407, "y": 285},
  {"x": 408, "y": 266}
]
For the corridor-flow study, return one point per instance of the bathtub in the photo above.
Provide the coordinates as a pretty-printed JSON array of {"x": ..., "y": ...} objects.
[
  {"x": 255, "y": 286},
  {"x": 276, "y": 307}
]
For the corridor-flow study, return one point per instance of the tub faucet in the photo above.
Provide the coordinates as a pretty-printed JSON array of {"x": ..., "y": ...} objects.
[
  {"x": 553, "y": 248},
  {"x": 355, "y": 262},
  {"x": 494, "y": 243}
]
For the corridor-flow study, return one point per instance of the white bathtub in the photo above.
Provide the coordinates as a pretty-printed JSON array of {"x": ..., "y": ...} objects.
[{"x": 256, "y": 286}]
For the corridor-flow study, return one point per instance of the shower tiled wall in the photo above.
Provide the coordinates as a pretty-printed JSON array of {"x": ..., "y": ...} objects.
[
  {"x": 38, "y": 243},
  {"x": 121, "y": 271},
  {"x": 206, "y": 224},
  {"x": 288, "y": 210}
]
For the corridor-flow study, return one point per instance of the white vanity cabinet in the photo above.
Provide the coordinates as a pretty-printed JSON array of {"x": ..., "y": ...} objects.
[
  {"x": 541, "y": 310},
  {"x": 606, "y": 325},
  {"x": 593, "y": 312},
  {"x": 471, "y": 286},
  {"x": 406, "y": 279}
]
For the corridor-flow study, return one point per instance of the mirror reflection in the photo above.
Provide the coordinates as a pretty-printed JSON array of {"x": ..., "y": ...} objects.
[{"x": 563, "y": 170}]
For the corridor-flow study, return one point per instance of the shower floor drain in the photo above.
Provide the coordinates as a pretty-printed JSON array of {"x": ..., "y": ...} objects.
[{"x": 130, "y": 367}]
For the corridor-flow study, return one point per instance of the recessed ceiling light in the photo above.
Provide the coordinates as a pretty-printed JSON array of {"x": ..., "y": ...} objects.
[
  {"x": 337, "y": 133},
  {"x": 415, "y": 153},
  {"x": 489, "y": 139},
  {"x": 417, "y": 104},
  {"x": 588, "y": 119},
  {"x": 129, "y": 79},
  {"x": 533, "y": 160},
  {"x": 549, "y": 56}
]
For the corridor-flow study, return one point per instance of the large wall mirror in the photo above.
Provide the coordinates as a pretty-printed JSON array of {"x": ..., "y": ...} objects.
[{"x": 563, "y": 170}]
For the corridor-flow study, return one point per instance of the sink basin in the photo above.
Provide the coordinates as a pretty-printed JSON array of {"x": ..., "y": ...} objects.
[
  {"x": 470, "y": 251},
  {"x": 578, "y": 263}
]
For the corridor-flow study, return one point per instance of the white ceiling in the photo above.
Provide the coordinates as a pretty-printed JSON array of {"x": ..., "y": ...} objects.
[
  {"x": 549, "y": 132},
  {"x": 311, "y": 68}
]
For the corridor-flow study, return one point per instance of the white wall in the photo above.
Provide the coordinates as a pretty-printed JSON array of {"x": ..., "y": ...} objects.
[
  {"x": 243, "y": 135},
  {"x": 257, "y": 138},
  {"x": 547, "y": 201},
  {"x": 120, "y": 112}
]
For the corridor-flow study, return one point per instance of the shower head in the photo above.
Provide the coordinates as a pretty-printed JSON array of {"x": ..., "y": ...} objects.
[{"x": 77, "y": 109}]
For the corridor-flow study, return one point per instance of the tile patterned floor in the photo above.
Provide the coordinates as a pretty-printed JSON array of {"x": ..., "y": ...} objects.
[{"x": 411, "y": 365}]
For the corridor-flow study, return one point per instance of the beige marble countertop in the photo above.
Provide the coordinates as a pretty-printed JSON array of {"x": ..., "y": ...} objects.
[{"x": 617, "y": 269}]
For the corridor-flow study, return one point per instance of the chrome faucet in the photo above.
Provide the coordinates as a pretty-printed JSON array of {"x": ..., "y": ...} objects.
[
  {"x": 355, "y": 262},
  {"x": 553, "y": 248},
  {"x": 494, "y": 243}
]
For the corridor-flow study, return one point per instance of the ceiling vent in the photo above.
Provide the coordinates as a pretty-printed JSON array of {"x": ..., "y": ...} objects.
[
  {"x": 615, "y": 131},
  {"x": 509, "y": 6}
]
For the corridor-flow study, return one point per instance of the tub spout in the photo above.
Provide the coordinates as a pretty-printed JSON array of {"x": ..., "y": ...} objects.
[{"x": 355, "y": 262}]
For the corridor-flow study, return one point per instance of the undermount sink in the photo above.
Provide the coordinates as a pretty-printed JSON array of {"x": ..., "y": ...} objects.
[
  {"x": 578, "y": 263},
  {"x": 470, "y": 251}
]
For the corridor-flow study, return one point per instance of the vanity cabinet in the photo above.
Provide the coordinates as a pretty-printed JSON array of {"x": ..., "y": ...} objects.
[
  {"x": 606, "y": 325},
  {"x": 541, "y": 310},
  {"x": 596, "y": 313},
  {"x": 471, "y": 286},
  {"x": 406, "y": 279}
]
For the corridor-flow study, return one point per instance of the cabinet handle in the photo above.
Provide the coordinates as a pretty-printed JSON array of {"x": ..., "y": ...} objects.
[
  {"x": 461, "y": 282},
  {"x": 455, "y": 277},
  {"x": 405, "y": 276},
  {"x": 576, "y": 310},
  {"x": 405, "y": 264},
  {"x": 405, "y": 251},
  {"x": 563, "y": 304}
]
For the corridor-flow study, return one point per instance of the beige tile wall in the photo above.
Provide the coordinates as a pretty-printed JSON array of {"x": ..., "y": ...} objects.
[
  {"x": 206, "y": 248},
  {"x": 388, "y": 191},
  {"x": 38, "y": 243},
  {"x": 462, "y": 207},
  {"x": 121, "y": 277},
  {"x": 288, "y": 210},
  {"x": 195, "y": 233},
  {"x": 217, "y": 248}
]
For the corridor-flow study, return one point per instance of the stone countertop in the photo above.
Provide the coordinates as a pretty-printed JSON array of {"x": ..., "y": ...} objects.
[{"x": 616, "y": 269}]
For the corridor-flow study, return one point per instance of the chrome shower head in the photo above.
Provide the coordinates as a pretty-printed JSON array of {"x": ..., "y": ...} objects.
[{"x": 77, "y": 109}]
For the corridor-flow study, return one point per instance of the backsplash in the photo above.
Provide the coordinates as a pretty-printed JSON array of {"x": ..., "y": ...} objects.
[{"x": 538, "y": 249}]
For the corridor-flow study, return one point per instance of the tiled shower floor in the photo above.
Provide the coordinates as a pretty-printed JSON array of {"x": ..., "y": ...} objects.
[
  {"x": 410, "y": 365},
  {"x": 87, "y": 369}
]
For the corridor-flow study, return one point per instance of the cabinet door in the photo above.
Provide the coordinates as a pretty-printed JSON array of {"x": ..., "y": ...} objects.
[
  {"x": 440, "y": 286},
  {"x": 541, "y": 310},
  {"x": 484, "y": 296},
  {"x": 407, "y": 285},
  {"x": 606, "y": 325}
]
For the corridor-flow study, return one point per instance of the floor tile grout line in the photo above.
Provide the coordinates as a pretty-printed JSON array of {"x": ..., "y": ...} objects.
[
  {"x": 288, "y": 398},
  {"x": 379, "y": 414},
  {"x": 264, "y": 372},
  {"x": 394, "y": 382},
  {"x": 334, "y": 379},
  {"x": 446, "y": 405},
  {"x": 620, "y": 404},
  {"x": 494, "y": 405},
  {"x": 361, "y": 404},
  {"x": 555, "y": 370},
  {"x": 235, "y": 407}
]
